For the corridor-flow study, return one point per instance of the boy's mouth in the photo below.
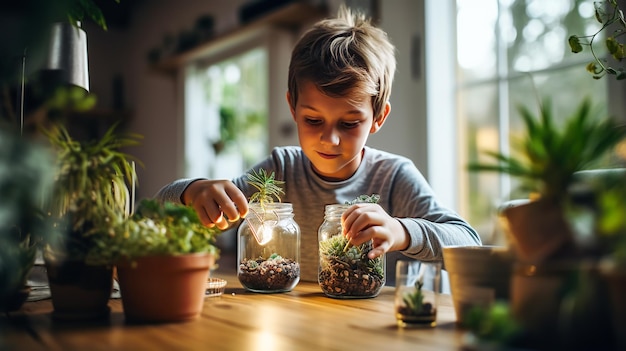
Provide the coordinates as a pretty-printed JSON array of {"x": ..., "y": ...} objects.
[{"x": 327, "y": 156}]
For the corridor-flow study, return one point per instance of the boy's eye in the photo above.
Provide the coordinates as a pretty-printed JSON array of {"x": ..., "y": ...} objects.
[
  {"x": 349, "y": 125},
  {"x": 313, "y": 121}
]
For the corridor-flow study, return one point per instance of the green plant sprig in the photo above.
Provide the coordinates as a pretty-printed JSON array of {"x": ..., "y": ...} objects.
[
  {"x": 268, "y": 187},
  {"x": 414, "y": 301},
  {"x": 612, "y": 16},
  {"x": 79, "y": 9}
]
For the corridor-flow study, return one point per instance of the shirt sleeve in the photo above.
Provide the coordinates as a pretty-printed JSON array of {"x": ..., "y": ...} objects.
[
  {"x": 430, "y": 225},
  {"x": 173, "y": 192}
]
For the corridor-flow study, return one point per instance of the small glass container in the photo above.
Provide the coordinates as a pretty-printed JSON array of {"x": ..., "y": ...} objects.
[
  {"x": 268, "y": 249},
  {"x": 417, "y": 293},
  {"x": 344, "y": 270}
]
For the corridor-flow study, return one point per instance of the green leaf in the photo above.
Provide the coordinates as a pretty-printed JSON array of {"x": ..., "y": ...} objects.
[{"x": 574, "y": 44}]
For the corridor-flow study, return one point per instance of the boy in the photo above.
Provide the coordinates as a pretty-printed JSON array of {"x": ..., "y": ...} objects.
[{"x": 339, "y": 85}]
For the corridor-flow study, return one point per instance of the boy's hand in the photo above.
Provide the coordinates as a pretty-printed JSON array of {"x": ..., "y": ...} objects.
[
  {"x": 216, "y": 202},
  {"x": 363, "y": 222}
]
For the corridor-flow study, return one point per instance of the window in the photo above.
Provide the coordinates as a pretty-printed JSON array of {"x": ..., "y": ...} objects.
[
  {"x": 226, "y": 115},
  {"x": 511, "y": 53}
]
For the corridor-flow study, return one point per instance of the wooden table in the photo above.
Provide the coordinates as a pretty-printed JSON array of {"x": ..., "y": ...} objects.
[{"x": 303, "y": 319}]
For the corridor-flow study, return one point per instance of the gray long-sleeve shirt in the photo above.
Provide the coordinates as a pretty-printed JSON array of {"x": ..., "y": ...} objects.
[{"x": 404, "y": 194}]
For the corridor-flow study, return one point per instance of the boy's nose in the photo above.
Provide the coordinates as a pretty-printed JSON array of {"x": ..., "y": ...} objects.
[{"x": 330, "y": 136}]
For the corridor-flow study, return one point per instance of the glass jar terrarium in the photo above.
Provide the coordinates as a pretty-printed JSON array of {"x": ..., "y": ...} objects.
[
  {"x": 344, "y": 270},
  {"x": 269, "y": 249}
]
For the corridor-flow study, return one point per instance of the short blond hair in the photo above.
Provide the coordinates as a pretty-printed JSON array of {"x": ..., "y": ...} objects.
[{"x": 347, "y": 57}]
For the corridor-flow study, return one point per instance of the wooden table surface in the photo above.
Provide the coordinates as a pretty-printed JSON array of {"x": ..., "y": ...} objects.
[{"x": 303, "y": 319}]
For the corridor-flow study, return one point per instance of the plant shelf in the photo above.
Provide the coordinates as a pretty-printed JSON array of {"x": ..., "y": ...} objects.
[{"x": 291, "y": 16}]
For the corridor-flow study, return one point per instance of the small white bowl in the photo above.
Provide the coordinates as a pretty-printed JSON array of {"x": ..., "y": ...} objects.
[{"x": 215, "y": 287}]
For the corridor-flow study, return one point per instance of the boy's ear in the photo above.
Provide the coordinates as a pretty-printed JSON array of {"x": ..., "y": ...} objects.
[
  {"x": 293, "y": 112},
  {"x": 378, "y": 123}
]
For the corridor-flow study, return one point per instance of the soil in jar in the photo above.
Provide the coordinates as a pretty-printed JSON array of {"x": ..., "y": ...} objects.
[
  {"x": 273, "y": 274},
  {"x": 427, "y": 315},
  {"x": 347, "y": 272}
]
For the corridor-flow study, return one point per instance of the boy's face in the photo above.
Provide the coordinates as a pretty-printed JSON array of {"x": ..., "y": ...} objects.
[{"x": 333, "y": 131}]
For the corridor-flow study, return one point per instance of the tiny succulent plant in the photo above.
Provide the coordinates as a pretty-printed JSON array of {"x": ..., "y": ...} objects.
[
  {"x": 415, "y": 300},
  {"x": 374, "y": 198}
]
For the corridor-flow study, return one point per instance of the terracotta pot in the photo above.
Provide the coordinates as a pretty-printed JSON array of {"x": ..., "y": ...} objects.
[
  {"x": 539, "y": 231},
  {"x": 157, "y": 289},
  {"x": 79, "y": 291}
]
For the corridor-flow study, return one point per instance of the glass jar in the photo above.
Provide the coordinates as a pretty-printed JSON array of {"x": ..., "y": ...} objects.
[
  {"x": 344, "y": 270},
  {"x": 268, "y": 249}
]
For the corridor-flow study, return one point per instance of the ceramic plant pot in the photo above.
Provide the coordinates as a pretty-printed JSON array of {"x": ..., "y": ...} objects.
[
  {"x": 162, "y": 289},
  {"x": 479, "y": 275},
  {"x": 79, "y": 291},
  {"x": 538, "y": 231}
]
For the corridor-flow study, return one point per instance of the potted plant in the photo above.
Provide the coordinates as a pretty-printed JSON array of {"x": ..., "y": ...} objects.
[
  {"x": 163, "y": 254},
  {"x": 26, "y": 173},
  {"x": 90, "y": 189},
  {"x": 546, "y": 161},
  {"x": 548, "y": 255}
]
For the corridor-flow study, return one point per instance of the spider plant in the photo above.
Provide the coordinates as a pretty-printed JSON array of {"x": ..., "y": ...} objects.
[{"x": 91, "y": 185}]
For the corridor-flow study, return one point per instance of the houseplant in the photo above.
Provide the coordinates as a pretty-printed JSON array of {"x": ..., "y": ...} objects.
[
  {"x": 163, "y": 254},
  {"x": 546, "y": 161},
  {"x": 611, "y": 19},
  {"x": 268, "y": 240},
  {"x": 548, "y": 254},
  {"x": 26, "y": 174},
  {"x": 90, "y": 189}
]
